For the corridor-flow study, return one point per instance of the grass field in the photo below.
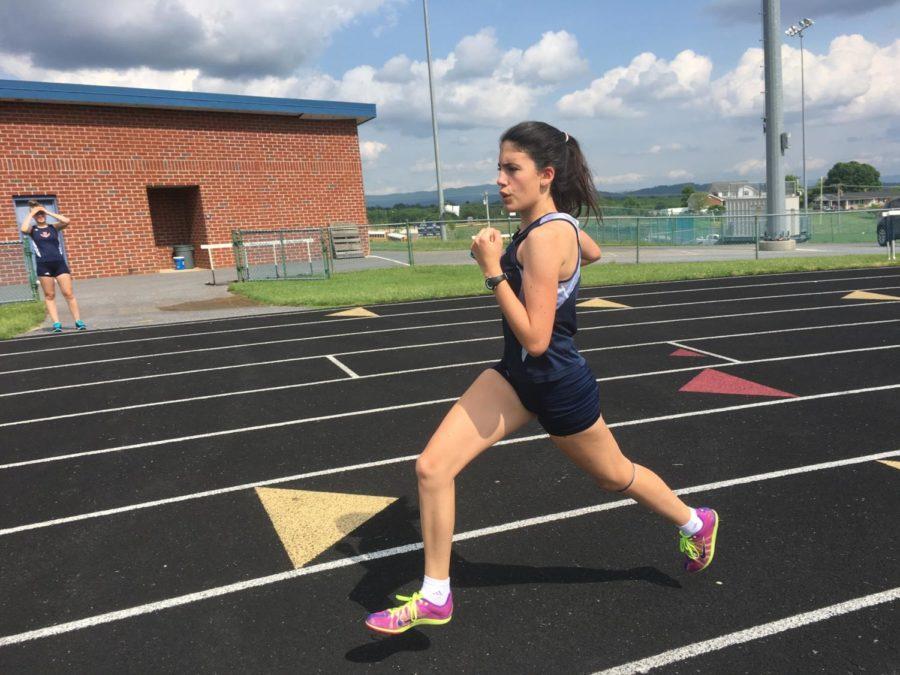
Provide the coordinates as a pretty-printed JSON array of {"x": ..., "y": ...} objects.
[
  {"x": 442, "y": 281},
  {"x": 19, "y": 317}
]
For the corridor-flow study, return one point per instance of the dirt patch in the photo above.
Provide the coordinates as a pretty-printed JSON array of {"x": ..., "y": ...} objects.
[{"x": 229, "y": 302}]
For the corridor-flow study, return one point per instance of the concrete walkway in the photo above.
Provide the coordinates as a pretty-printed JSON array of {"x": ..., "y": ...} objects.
[{"x": 149, "y": 299}]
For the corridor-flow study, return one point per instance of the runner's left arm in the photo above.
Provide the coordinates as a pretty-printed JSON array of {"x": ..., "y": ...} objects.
[{"x": 63, "y": 221}]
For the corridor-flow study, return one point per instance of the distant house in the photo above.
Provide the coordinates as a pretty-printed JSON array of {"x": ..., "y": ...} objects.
[
  {"x": 735, "y": 190},
  {"x": 849, "y": 201}
]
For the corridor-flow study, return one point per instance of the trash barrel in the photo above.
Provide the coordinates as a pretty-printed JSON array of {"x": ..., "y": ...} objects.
[
  {"x": 179, "y": 262},
  {"x": 185, "y": 251}
]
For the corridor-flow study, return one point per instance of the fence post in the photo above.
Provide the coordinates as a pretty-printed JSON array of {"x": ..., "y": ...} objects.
[
  {"x": 637, "y": 240},
  {"x": 323, "y": 241},
  {"x": 756, "y": 234},
  {"x": 409, "y": 247},
  {"x": 29, "y": 266}
]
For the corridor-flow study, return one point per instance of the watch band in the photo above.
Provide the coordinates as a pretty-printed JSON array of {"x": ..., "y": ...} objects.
[{"x": 491, "y": 283}]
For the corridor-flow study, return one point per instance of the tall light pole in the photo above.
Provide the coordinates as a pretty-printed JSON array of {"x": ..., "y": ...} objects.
[
  {"x": 776, "y": 141},
  {"x": 797, "y": 31},
  {"x": 434, "y": 128}
]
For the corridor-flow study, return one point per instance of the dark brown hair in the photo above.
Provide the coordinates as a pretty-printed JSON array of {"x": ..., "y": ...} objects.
[{"x": 572, "y": 188}]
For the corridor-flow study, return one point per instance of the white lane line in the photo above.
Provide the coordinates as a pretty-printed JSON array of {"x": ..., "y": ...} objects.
[
  {"x": 340, "y": 365},
  {"x": 301, "y": 385},
  {"x": 486, "y": 298},
  {"x": 754, "y": 633},
  {"x": 581, "y": 329},
  {"x": 441, "y": 311},
  {"x": 354, "y": 467},
  {"x": 701, "y": 351},
  {"x": 438, "y": 344},
  {"x": 247, "y": 584},
  {"x": 381, "y": 257}
]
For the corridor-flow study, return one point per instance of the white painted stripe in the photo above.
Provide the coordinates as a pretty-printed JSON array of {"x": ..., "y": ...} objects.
[
  {"x": 484, "y": 297},
  {"x": 300, "y": 385},
  {"x": 434, "y": 344},
  {"x": 284, "y": 479},
  {"x": 341, "y": 366},
  {"x": 227, "y": 432},
  {"x": 247, "y": 584},
  {"x": 754, "y": 633},
  {"x": 582, "y": 329},
  {"x": 701, "y": 351},
  {"x": 441, "y": 311},
  {"x": 381, "y": 257}
]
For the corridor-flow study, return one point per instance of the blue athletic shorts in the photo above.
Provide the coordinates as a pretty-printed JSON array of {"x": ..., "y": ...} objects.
[
  {"x": 563, "y": 407},
  {"x": 52, "y": 268}
]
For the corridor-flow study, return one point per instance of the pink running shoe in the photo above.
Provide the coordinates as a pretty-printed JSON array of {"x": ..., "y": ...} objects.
[
  {"x": 700, "y": 548},
  {"x": 415, "y": 611}
]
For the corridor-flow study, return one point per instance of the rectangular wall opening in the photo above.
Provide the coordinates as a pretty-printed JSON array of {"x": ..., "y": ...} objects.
[{"x": 176, "y": 214}]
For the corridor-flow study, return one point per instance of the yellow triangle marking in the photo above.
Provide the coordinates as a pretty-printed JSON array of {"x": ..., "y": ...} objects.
[
  {"x": 600, "y": 302},
  {"x": 890, "y": 462},
  {"x": 866, "y": 295},
  {"x": 356, "y": 311},
  {"x": 309, "y": 523}
]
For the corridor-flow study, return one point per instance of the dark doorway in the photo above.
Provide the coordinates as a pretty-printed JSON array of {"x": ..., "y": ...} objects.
[{"x": 177, "y": 217}]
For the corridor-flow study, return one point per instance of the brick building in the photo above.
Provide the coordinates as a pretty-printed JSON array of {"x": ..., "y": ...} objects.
[{"x": 141, "y": 170}]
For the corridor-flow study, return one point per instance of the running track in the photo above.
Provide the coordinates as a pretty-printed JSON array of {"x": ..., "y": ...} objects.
[{"x": 132, "y": 538}]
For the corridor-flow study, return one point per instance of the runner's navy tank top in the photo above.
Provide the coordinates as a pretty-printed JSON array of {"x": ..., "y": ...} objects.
[
  {"x": 45, "y": 244},
  {"x": 561, "y": 356}
]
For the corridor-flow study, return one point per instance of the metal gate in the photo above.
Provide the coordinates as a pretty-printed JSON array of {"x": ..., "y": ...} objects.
[
  {"x": 295, "y": 253},
  {"x": 18, "y": 282}
]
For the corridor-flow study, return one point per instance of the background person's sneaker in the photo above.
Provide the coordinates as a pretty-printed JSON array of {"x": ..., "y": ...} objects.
[
  {"x": 415, "y": 611},
  {"x": 700, "y": 548},
  {"x": 57, "y": 327},
  {"x": 80, "y": 325}
]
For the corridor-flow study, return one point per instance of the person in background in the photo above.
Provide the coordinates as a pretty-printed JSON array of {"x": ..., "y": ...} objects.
[{"x": 51, "y": 262}]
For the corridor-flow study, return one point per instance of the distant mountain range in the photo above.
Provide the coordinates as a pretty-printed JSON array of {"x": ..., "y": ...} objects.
[{"x": 475, "y": 193}]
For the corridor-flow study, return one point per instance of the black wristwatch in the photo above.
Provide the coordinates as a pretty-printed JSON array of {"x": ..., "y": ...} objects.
[{"x": 491, "y": 283}]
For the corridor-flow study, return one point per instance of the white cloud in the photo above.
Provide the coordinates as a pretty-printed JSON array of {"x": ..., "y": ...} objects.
[
  {"x": 620, "y": 179},
  {"x": 856, "y": 79},
  {"x": 749, "y": 166},
  {"x": 671, "y": 147},
  {"x": 221, "y": 38},
  {"x": 626, "y": 91},
  {"x": 370, "y": 150},
  {"x": 680, "y": 175},
  {"x": 476, "y": 55},
  {"x": 553, "y": 59}
]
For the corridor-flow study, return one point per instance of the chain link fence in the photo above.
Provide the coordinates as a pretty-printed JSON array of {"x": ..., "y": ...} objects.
[
  {"x": 17, "y": 279},
  {"x": 683, "y": 235}
]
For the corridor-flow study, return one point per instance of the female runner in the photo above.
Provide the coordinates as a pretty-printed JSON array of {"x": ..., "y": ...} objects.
[
  {"x": 544, "y": 177},
  {"x": 51, "y": 263}
]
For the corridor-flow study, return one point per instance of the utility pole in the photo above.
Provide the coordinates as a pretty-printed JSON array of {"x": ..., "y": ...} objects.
[
  {"x": 434, "y": 127},
  {"x": 776, "y": 141}
]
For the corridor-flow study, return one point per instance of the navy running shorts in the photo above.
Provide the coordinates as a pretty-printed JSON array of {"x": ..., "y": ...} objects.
[
  {"x": 563, "y": 407},
  {"x": 52, "y": 268}
]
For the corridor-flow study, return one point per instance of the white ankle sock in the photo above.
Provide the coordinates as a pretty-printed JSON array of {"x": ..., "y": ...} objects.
[
  {"x": 693, "y": 525},
  {"x": 436, "y": 591}
]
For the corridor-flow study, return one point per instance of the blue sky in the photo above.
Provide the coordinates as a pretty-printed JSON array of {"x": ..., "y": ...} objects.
[{"x": 657, "y": 92}]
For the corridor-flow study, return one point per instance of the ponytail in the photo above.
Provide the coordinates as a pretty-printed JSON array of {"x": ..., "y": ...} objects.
[{"x": 572, "y": 188}]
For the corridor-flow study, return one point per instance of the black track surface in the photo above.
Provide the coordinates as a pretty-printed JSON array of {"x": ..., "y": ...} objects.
[{"x": 113, "y": 420}]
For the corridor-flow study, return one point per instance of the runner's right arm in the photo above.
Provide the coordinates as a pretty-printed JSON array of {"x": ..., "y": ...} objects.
[{"x": 28, "y": 223}]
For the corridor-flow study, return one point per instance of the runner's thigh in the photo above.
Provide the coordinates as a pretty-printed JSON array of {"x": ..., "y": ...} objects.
[{"x": 489, "y": 410}]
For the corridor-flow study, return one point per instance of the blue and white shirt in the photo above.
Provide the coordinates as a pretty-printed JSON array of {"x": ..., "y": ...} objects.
[
  {"x": 561, "y": 356},
  {"x": 46, "y": 245}
]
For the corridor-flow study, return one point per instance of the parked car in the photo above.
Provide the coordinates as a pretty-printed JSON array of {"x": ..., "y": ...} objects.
[
  {"x": 708, "y": 240},
  {"x": 889, "y": 224}
]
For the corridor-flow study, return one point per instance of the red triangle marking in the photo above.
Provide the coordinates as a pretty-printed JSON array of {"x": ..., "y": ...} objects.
[
  {"x": 684, "y": 352},
  {"x": 712, "y": 381}
]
